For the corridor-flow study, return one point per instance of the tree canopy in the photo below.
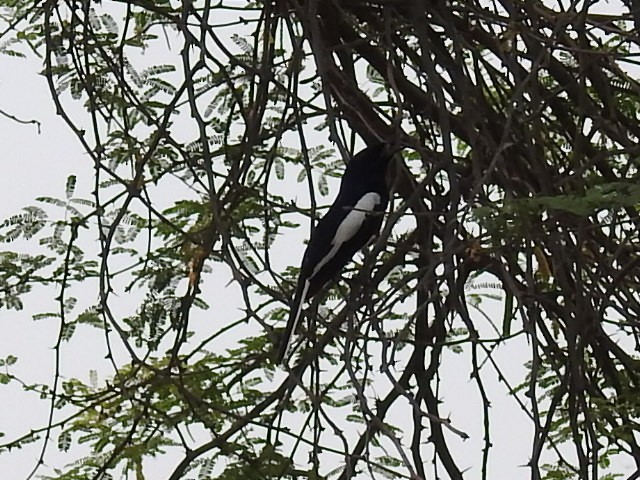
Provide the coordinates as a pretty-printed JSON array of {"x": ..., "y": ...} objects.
[{"x": 216, "y": 131}]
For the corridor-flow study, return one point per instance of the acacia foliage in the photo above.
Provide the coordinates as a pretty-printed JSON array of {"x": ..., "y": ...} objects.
[{"x": 197, "y": 116}]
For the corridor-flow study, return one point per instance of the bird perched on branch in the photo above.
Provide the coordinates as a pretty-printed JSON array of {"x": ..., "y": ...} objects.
[{"x": 353, "y": 220}]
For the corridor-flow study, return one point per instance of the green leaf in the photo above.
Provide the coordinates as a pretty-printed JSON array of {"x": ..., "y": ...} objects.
[
  {"x": 109, "y": 23},
  {"x": 70, "y": 304},
  {"x": 278, "y": 166},
  {"x": 323, "y": 187},
  {"x": 51, "y": 201},
  {"x": 64, "y": 441},
  {"x": 206, "y": 470},
  {"x": 68, "y": 330}
]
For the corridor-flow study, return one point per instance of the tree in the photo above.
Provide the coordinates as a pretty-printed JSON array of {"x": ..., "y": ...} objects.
[{"x": 520, "y": 184}]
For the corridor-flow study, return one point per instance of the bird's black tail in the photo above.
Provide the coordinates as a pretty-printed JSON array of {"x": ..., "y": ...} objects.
[{"x": 294, "y": 318}]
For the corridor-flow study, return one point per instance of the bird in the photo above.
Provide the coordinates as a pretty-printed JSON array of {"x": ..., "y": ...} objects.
[{"x": 352, "y": 221}]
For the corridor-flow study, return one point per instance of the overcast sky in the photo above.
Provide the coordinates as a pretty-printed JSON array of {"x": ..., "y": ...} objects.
[{"x": 35, "y": 164}]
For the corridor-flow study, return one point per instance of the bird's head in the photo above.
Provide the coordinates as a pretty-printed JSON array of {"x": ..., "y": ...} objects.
[{"x": 374, "y": 158}]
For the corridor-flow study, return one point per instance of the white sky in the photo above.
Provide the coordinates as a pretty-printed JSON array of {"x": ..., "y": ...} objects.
[{"x": 38, "y": 164}]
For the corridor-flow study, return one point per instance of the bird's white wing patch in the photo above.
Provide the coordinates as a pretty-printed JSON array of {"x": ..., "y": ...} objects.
[
  {"x": 350, "y": 226},
  {"x": 353, "y": 221}
]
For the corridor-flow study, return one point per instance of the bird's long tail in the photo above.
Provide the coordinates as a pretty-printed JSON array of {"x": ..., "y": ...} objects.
[{"x": 294, "y": 319}]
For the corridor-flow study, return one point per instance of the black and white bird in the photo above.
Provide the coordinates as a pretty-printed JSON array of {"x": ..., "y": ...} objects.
[{"x": 352, "y": 221}]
